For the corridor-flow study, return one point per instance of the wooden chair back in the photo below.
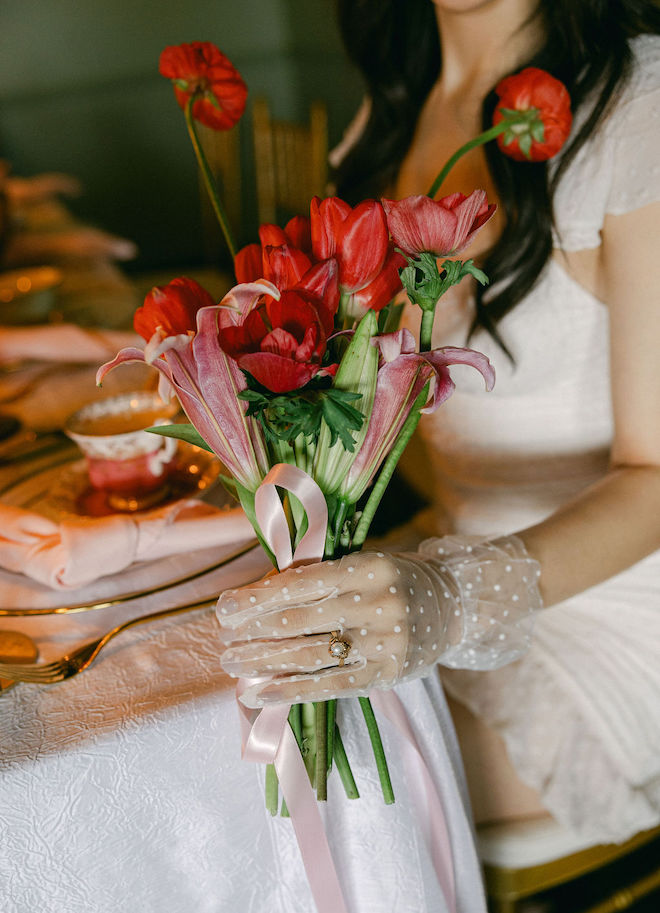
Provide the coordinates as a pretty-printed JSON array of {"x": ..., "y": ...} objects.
[{"x": 290, "y": 160}]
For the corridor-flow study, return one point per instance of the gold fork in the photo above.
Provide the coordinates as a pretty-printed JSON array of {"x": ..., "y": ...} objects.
[{"x": 83, "y": 656}]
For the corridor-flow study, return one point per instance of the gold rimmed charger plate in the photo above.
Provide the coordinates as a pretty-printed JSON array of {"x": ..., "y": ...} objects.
[
  {"x": 55, "y": 492},
  {"x": 240, "y": 550}
]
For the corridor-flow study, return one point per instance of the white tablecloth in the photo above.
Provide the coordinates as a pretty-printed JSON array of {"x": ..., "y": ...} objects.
[{"x": 122, "y": 789}]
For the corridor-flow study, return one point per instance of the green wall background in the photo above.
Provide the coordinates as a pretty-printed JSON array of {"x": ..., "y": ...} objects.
[{"x": 80, "y": 92}]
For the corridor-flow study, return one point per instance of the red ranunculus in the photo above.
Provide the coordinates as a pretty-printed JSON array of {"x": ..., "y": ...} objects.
[
  {"x": 357, "y": 238},
  {"x": 171, "y": 310},
  {"x": 200, "y": 70},
  {"x": 441, "y": 227},
  {"x": 544, "y": 136},
  {"x": 280, "y": 342}
]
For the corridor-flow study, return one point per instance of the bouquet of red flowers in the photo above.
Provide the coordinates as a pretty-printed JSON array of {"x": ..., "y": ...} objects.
[{"x": 300, "y": 366}]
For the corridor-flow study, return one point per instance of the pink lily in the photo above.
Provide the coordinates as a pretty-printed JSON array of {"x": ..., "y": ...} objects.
[
  {"x": 401, "y": 378},
  {"x": 207, "y": 383}
]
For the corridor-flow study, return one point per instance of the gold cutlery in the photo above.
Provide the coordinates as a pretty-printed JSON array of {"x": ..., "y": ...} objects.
[{"x": 82, "y": 657}]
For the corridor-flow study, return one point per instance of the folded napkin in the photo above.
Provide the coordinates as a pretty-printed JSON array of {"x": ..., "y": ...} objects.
[
  {"x": 75, "y": 552},
  {"x": 62, "y": 342}
]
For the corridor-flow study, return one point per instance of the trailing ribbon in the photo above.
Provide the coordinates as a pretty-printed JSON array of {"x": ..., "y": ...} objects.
[
  {"x": 430, "y": 812},
  {"x": 267, "y": 736}
]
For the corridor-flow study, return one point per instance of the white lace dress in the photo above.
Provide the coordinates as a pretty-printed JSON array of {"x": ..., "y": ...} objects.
[{"x": 580, "y": 714}]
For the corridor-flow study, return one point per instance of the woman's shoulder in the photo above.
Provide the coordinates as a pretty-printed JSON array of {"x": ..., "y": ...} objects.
[
  {"x": 641, "y": 92},
  {"x": 616, "y": 170}
]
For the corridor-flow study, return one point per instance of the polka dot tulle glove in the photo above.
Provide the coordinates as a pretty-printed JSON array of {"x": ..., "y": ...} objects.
[{"x": 370, "y": 620}]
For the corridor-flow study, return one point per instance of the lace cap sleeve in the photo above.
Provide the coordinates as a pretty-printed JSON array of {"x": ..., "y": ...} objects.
[
  {"x": 634, "y": 130},
  {"x": 618, "y": 169}
]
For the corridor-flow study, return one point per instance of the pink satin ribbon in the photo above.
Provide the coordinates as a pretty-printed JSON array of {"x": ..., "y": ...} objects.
[
  {"x": 267, "y": 737},
  {"x": 430, "y": 812}
]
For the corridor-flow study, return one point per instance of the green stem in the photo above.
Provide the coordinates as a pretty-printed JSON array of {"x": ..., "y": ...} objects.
[
  {"x": 308, "y": 716},
  {"x": 321, "y": 709},
  {"x": 332, "y": 723},
  {"x": 343, "y": 767},
  {"x": 484, "y": 137},
  {"x": 387, "y": 471},
  {"x": 295, "y": 721},
  {"x": 335, "y": 527},
  {"x": 272, "y": 789},
  {"x": 209, "y": 180},
  {"x": 426, "y": 330},
  {"x": 379, "y": 751}
]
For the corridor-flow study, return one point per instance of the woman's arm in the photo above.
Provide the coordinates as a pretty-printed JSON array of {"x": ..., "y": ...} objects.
[{"x": 616, "y": 522}]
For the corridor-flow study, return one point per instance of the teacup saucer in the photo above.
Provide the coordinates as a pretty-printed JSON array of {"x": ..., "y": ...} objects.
[{"x": 64, "y": 491}]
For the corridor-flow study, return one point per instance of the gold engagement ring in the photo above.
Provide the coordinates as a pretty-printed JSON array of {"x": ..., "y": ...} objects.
[{"x": 338, "y": 648}]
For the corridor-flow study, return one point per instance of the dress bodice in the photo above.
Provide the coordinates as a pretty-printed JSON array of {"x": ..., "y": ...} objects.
[
  {"x": 511, "y": 457},
  {"x": 507, "y": 459}
]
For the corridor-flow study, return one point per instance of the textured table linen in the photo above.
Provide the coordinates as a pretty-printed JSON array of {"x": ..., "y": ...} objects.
[{"x": 122, "y": 789}]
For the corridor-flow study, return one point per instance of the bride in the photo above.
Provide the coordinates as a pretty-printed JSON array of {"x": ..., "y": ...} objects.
[{"x": 546, "y": 493}]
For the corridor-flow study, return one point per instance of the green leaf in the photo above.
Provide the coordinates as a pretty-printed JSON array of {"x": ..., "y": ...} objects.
[
  {"x": 246, "y": 497},
  {"x": 538, "y": 131},
  {"x": 182, "y": 432},
  {"x": 525, "y": 144},
  {"x": 342, "y": 418}
]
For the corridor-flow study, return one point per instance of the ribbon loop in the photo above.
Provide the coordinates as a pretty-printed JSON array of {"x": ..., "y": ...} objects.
[{"x": 272, "y": 521}]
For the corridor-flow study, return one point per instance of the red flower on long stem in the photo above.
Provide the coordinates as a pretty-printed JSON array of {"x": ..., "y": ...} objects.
[
  {"x": 201, "y": 71},
  {"x": 442, "y": 227},
  {"x": 549, "y": 104}
]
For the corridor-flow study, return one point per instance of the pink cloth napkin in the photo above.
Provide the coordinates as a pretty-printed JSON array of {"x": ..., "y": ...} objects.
[
  {"x": 63, "y": 342},
  {"x": 74, "y": 552}
]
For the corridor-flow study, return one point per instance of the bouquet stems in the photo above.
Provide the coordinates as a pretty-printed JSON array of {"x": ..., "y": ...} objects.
[
  {"x": 272, "y": 789},
  {"x": 379, "y": 751},
  {"x": 209, "y": 179},
  {"x": 321, "y": 714},
  {"x": 332, "y": 725},
  {"x": 343, "y": 767}
]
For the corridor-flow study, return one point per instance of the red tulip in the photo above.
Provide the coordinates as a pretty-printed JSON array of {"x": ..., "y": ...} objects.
[
  {"x": 441, "y": 227},
  {"x": 169, "y": 313},
  {"x": 296, "y": 232},
  {"x": 357, "y": 238},
  {"x": 279, "y": 261},
  {"x": 201, "y": 70},
  {"x": 536, "y": 91},
  {"x": 280, "y": 342},
  {"x": 383, "y": 288}
]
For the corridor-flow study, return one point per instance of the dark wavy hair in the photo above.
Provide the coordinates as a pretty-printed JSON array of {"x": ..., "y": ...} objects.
[{"x": 395, "y": 45}]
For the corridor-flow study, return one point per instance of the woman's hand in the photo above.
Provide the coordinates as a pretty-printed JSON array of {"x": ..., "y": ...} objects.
[
  {"x": 384, "y": 607},
  {"x": 398, "y": 615}
]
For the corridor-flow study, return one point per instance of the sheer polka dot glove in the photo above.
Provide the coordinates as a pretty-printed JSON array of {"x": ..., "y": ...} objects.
[{"x": 371, "y": 620}]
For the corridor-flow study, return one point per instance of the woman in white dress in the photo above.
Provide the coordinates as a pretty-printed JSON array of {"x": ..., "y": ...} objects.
[{"x": 565, "y": 453}]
